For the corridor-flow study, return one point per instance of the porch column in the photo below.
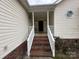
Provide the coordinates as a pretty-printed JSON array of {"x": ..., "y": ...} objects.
[
  {"x": 33, "y": 18},
  {"x": 47, "y": 18}
]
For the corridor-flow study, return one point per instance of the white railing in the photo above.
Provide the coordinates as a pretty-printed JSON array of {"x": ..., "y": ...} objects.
[
  {"x": 52, "y": 29},
  {"x": 29, "y": 30},
  {"x": 30, "y": 41},
  {"x": 51, "y": 41}
]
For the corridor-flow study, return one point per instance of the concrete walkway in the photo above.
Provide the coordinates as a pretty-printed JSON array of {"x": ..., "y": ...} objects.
[{"x": 38, "y": 58}]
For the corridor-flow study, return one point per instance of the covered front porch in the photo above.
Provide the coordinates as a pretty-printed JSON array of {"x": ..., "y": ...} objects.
[
  {"x": 41, "y": 24},
  {"x": 41, "y": 20}
]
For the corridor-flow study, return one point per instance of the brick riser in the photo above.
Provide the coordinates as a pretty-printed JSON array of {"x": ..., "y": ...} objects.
[{"x": 41, "y": 47}]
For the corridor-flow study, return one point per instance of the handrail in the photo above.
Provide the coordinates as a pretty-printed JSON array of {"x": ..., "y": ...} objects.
[
  {"x": 30, "y": 40},
  {"x": 51, "y": 40},
  {"x": 52, "y": 29}
]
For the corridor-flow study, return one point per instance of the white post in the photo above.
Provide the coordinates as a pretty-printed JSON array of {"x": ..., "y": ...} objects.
[
  {"x": 47, "y": 18},
  {"x": 33, "y": 18}
]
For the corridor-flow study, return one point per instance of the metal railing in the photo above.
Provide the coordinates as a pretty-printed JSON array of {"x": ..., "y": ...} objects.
[{"x": 51, "y": 40}]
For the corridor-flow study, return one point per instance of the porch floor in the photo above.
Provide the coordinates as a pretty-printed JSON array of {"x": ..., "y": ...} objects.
[{"x": 41, "y": 34}]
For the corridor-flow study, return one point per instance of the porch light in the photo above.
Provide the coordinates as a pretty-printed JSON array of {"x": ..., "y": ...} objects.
[{"x": 69, "y": 13}]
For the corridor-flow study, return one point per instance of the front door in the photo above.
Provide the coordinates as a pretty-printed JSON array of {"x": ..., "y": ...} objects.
[{"x": 40, "y": 25}]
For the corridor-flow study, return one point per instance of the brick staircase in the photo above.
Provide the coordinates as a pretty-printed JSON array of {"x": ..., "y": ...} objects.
[{"x": 41, "y": 47}]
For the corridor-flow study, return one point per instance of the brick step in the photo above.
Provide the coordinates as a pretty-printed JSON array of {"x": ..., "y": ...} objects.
[
  {"x": 41, "y": 42},
  {"x": 41, "y": 37},
  {"x": 39, "y": 53},
  {"x": 34, "y": 48},
  {"x": 41, "y": 47},
  {"x": 45, "y": 50}
]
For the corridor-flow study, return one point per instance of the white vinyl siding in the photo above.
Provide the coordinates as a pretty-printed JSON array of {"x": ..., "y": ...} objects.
[
  {"x": 13, "y": 26},
  {"x": 67, "y": 27}
]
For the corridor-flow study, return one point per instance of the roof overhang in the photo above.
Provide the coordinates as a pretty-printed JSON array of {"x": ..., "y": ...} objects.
[
  {"x": 38, "y": 8},
  {"x": 40, "y": 2}
]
